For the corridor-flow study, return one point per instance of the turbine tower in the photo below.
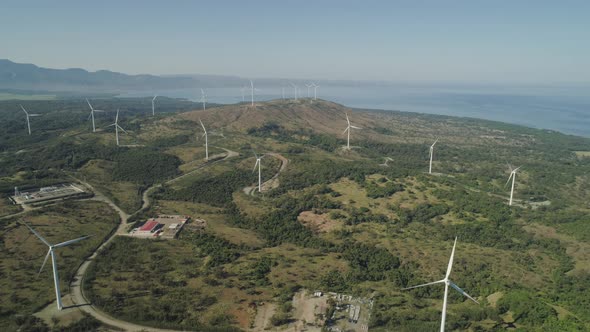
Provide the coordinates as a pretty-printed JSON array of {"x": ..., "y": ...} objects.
[
  {"x": 294, "y": 87},
  {"x": 252, "y": 90},
  {"x": 53, "y": 262},
  {"x": 206, "y": 143},
  {"x": 28, "y": 115},
  {"x": 259, "y": 164},
  {"x": 513, "y": 177},
  {"x": 431, "y": 155},
  {"x": 348, "y": 127},
  {"x": 154, "y": 105},
  {"x": 315, "y": 91},
  {"x": 91, "y": 116},
  {"x": 117, "y": 127},
  {"x": 447, "y": 283},
  {"x": 203, "y": 98}
]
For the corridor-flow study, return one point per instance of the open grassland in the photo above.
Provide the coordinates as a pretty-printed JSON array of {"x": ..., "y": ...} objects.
[
  {"x": 14, "y": 96},
  {"x": 22, "y": 291}
]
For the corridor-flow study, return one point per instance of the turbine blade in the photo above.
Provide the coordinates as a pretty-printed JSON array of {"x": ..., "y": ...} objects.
[
  {"x": 44, "y": 261},
  {"x": 24, "y": 110},
  {"x": 205, "y": 130},
  {"x": 345, "y": 130},
  {"x": 122, "y": 129},
  {"x": 510, "y": 177},
  {"x": 156, "y": 96},
  {"x": 347, "y": 120},
  {"x": 89, "y": 105},
  {"x": 37, "y": 235},
  {"x": 516, "y": 169},
  {"x": 256, "y": 164},
  {"x": 67, "y": 243},
  {"x": 427, "y": 284},
  {"x": 462, "y": 292},
  {"x": 450, "y": 266},
  {"x": 355, "y": 127}
]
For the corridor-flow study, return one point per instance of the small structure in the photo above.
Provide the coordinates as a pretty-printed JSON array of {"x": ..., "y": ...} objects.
[
  {"x": 45, "y": 194},
  {"x": 163, "y": 226}
]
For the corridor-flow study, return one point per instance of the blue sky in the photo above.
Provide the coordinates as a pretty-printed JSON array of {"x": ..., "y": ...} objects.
[{"x": 417, "y": 41}]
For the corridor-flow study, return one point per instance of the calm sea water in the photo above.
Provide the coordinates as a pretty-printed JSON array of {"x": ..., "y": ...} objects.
[{"x": 562, "y": 109}]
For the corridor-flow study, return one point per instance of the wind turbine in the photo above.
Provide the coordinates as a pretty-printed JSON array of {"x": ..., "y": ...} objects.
[
  {"x": 315, "y": 91},
  {"x": 431, "y": 155},
  {"x": 117, "y": 127},
  {"x": 243, "y": 90},
  {"x": 513, "y": 176},
  {"x": 154, "y": 105},
  {"x": 348, "y": 130},
  {"x": 252, "y": 89},
  {"x": 309, "y": 86},
  {"x": 203, "y": 98},
  {"x": 28, "y": 115},
  {"x": 294, "y": 87},
  {"x": 447, "y": 283},
  {"x": 387, "y": 159},
  {"x": 91, "y": 116},
  {"x": 206, "y": 143},
  {"x": 53, "y": 262},
  {"x": 259, "y": 164}
]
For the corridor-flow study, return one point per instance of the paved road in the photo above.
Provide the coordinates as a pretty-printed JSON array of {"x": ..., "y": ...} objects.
[{"x": 76, "y": 294}]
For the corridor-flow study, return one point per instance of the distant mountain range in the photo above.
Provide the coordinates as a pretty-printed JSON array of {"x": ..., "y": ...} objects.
[{"x": 28, "y": 77}]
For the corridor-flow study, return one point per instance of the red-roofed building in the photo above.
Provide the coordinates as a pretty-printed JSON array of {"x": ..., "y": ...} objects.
[{"x": 148, "y": 226}]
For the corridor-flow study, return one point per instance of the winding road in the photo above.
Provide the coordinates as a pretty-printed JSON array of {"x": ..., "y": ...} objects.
[
  {"x": 272, "y": 182},
  {"x": 76, "y": 295}
]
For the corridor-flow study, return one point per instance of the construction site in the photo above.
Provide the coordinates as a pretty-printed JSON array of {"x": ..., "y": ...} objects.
[
  {"x": 45, "y": 194},
  {"x": 163, "y": 227}
]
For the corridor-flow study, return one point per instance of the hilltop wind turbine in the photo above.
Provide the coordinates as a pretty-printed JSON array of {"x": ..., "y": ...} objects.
[
  {"x": 252, "y": 89},
  {"x": 203, "y": 98},
  {"x": 315, "y": 91},
  {"x": 309, "y": 86},
  {"x": 259, "y": 164},
  {"x": 206, "y": 143},
  {"x": 53, "y": 262},
  {"x": 117, "y": 127},
  {"x": 91, "y": 116},
  {"x": 28, "y": 115},
  {"x": 294, "y": 87},
  {"x": 431, "y": 155},
  {"x": 513, "y": 177},
  {"x": 154, "y": 105},
  {"x": 447, "y": 283},
  {"x": 348, "y": 128}
]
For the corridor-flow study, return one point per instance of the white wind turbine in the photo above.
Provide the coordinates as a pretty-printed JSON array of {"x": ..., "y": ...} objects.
[
  {"x": 259, "y": 164},
  {"x": 309, "y": 86},
  {"x": 431, "y": 155},
  {"x": 53, "y": 262},
  {"x": 91, "y": 116},
  {"x": 315, "y": 91},
  {"x": 28, "y": 115},
  {"x": 387, "y": 159},
  {"x": 206, "y": 143},
  {"x": 203, "y": 98},
  {"x": 294, "y": 87},
  {"x": 348, "y": 128},
  {"x": 252, "y": 90},
  {"x": 243, "y": 91},
  {"x": 447, "y": 283},
  {"x": 154, "y": 105},
  {"x": 117, "y": 127},
  {"x": 513, "y": 177}
]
